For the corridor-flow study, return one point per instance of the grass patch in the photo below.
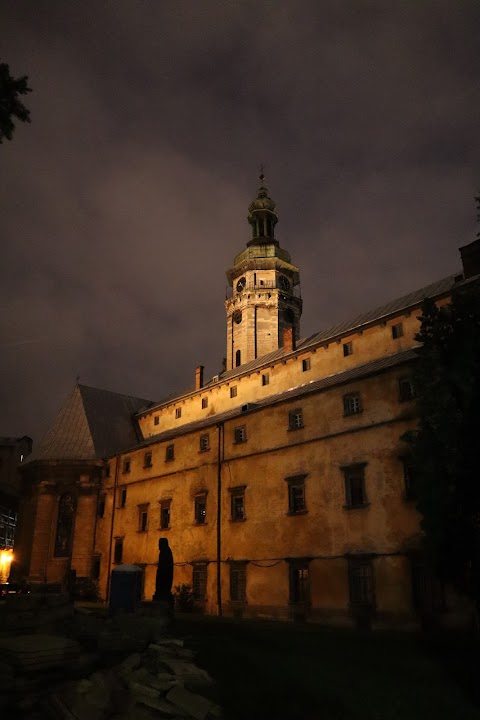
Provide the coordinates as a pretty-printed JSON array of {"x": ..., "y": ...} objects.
[{"x": 280, "y": 670}]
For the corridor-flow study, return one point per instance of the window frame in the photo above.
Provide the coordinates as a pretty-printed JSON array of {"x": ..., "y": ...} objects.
[
  {"x": 123, "y": 497},
  {"x": 127, "y": 466},
  {"x": 352, "y": 404},
  {"x": 240, "y": 434},
  {"x": 165, "y": 505},
  {"x": 178, "y": 413},
  {"x": 170, "y": 452},
  {"x": 204, "y": 403},
  {"x": 204, "y": 443},
  {"x": 397, "y": 330},
  {"x": 238, "y": 582},
  {"x": 101, "y": 505},
  {"x": 233, "y": 391},
  {"x": 403, "y": 395},
  {"x": 156, "y": 419},
  {"x": 142, "y": 517},
  {"x": 298, "y": 581},
  {"x": 295, "y": 482},
  {"x": 199, "y": 499},
  {"x": 237, "y": 492},
  {"x": 358, "y": 598},
  {"x": 199, "y": 581},
  {"x": 355, "y": 472},
  {"x": 118, "y": 544},
  {"x": 409, "y": 491},
  {"x": 147, "y": 459},
  {"x": 347, "y": 348},
  {"x": 295, "y": 419},
  {"x": 306, "y": 364},
  {"x": 265, "y": 379}
]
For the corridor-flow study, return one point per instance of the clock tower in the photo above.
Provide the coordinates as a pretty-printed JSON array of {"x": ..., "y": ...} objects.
[{"x": 265, "y": 297}]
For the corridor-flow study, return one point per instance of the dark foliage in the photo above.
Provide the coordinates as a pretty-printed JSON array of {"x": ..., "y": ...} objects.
[
  {"x": 444, "y": 448},
  {"x": 10, "y": 105}
]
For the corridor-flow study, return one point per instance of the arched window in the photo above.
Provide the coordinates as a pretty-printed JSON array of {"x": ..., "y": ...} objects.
[
  {"x": 238, "y": 360},
  {"x": 66, "y": 515}
]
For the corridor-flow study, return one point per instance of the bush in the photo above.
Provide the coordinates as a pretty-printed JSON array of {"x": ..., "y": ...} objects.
[{"x": 184, "y": 598}]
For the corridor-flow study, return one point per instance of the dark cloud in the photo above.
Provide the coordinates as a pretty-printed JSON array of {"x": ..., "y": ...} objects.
[{"x": 125, "y": 200}]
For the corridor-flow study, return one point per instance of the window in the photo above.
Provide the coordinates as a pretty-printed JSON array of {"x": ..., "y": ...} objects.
[
  {"x": 295, "y": 419},
  {"x": 126, "y": 466},
  {"x": 296, "y": 494},
  {"x": 406, "y": 391},
  {"x": 352, "y": 404},
  {"x": 238, "y": 582},
  {"x": 169, "y": 453},
  {"x": 397, "y": 331},
  {"x": 347, "y": 349},
  {"x": 204, "y": 403},
  {"x": 147, "y": 460},
  {"x": 96, "y": 564},
  {"x": 123, "y": 497},
  {"x": 178, "y": 413},
  {"x": 238, "y": 360},
  {"x": 101, "y": 506},
  {"x": 355, "y": 495},
  {"x": 156, "y": 420},
  {"x": 299, "y": 590},
  {"x": 306, "y": 364},
  {"x": 106, "y": 471},
  {"x": 201, "y": 509},
  {"x": 409, "y": 481},
  {"x": 265, "y": 379},
  {"x": 360, "y": 575},
  {"x": 165, "y": 514},
  {"x": 142, "y": 517},
  {"x": 66, "y": 515},
  {"x": 240, "y": 434},
  {"x": 233, "y": 391},
  {"x": 204, "y": 443},
  {"x": 237, "y": 503},
  {"x": 199, "y": 581},
  {"x": 118, "y": 551}
]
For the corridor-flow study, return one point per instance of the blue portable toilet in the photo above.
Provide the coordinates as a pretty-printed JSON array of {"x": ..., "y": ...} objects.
[{"x": 125, "y": 588}]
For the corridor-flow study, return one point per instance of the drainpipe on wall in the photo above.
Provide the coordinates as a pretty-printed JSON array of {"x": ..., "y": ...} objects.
[
  {"x": 115, "y": 482},
  {"x": 219, "y": 515}
]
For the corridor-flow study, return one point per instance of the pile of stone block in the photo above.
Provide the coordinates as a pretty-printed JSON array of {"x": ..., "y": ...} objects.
[
  {"x": 29, "y": 612},
  {"x": 161, "y": 682}
]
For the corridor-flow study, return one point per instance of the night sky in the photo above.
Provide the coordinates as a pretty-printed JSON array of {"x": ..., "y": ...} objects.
[{"x": 125, "y": 200}]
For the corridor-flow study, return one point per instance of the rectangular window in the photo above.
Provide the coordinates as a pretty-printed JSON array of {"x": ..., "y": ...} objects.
[
  {"x": 265, "y": 379},
  {"x": 240, "y": 434},
  {"x": 96, "y": 564},
  {"x": 123, "y": 497},
  {"x": 295, "y": 419},
  {"x": 165, "y": 514},
  {"x": 204, "y": 403},
  {"x": 355, "y": 495},
  {"x": 204, "y": 443},
  {"x": 238, "y": 582},
  {"x": 101, "y": 506},
  {"x": 409, "y": 481},
  {"x": 299, "y": 590},
  {"x": 397, "y": 331},
  {"x": 233, "y": 391},
  {"x": 201, "y": 509},
  {"x": 360, "y": 575},
  {"x": 347, "y": 349},
  {"x": 296, "y": 494},
  {"x": 352, "y": 404},
  {"x": 156, "y": 420},
  {"x": 306, "y": 364},
  {"x": 237, "y": 503},
  {"x": 126, "y": 466},
  {"x": 147, "y": 460},
  {"x": 107, "y": 471},
  {"x": 199, "y": 581},
  {"x": 406, "y": 390},
  {"x": 142, "y": 517},
  {"x": 178, "y": 413},
  {"x": 118, "y": 551},
  {"x": 169, "y": 453}
]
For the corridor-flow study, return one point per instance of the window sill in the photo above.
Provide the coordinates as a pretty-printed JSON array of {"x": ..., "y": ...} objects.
[
  {"x": 121, "y": 507},
  {"x": 352, "y": 414},
  {"x": 169, "y": 460},
  {"x": 162, "y": 529},
  {"x": 142, "y": 532},
  {"x": 297, "y": 512},
  {"x": 239, "y": 442},
  {"x": 199, "y": 524},
  {"x": 205, "y": 451},
  {"x": 238, "y": 520},
  {"x": 146, "y": 467},
  {"x": 356, "y": 507},
  {"x": 294, "y": 429}
]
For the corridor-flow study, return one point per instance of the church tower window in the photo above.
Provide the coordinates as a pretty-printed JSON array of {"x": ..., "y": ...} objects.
[{"x": 66, "y": 515}]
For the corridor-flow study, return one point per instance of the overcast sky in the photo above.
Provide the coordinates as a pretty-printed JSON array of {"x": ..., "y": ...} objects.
[{"x": 125, "y": 199}]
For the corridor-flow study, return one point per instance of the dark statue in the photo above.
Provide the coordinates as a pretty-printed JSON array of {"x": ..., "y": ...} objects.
[{"x": 164, "y": 579}]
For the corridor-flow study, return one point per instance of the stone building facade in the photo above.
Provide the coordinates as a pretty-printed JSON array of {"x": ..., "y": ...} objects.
[{"x": 282, "y": 484}]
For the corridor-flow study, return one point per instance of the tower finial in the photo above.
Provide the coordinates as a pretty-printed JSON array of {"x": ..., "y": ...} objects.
[{"x": 262, "y": 174}]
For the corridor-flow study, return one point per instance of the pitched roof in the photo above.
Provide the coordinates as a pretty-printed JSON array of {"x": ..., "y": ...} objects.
[
  {"x": 92, "y": 423},
  {"x": 361, "y": 371}
]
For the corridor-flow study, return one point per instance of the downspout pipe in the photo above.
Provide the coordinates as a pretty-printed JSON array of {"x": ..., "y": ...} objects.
[{"x": 115, "y": 483}]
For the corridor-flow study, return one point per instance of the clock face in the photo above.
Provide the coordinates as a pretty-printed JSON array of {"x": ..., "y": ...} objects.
[
  {"x": 241, "y": 284},
  {"x": 284, "y": 282}
]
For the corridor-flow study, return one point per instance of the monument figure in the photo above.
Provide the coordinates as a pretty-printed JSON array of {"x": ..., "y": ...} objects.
[{"x": 164, "y": 578}]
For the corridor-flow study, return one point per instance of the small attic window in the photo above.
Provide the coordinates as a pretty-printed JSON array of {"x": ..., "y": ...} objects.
[{"x": 156, "y": 420}]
